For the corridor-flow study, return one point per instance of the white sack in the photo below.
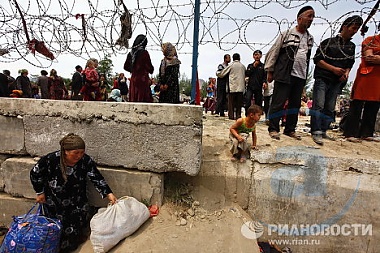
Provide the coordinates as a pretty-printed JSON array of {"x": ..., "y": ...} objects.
[{"x": 114, "y": 223}]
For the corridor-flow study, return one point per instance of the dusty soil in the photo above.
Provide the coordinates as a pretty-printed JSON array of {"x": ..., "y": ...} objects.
[{"x": 216, "y": 132}]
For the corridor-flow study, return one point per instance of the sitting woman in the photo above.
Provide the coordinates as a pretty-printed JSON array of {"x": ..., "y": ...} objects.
[{"x": 59, "y": 179}]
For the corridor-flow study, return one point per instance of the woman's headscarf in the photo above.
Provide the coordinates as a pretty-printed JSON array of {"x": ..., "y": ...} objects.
[
  {"x": 69, "y": 142},
  {"x": 138, "y": 45},
  {"x": 170, "y": 56}
]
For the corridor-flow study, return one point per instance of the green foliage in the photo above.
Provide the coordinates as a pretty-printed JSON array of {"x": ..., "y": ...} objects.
[
  {"x": 185, "y": 85},
  {"x": 105, "y": 67}
]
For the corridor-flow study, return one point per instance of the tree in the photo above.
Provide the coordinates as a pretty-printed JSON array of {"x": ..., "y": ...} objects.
[
  {"x": 105, "y": 67},
  {"x": 185, "y": 85}
]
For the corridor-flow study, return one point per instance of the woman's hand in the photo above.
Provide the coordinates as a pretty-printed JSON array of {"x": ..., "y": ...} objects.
[
  {"x": 372, "y": 59},
  {"x": 111, "y": 198},
  {"x": 41, "y": 198}
]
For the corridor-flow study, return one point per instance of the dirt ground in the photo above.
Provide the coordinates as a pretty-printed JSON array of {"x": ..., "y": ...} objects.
[{"x": 216, "y": 131}]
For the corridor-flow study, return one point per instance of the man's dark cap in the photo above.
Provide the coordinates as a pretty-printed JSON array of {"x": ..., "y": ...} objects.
[{"x": 303, "y": 9}]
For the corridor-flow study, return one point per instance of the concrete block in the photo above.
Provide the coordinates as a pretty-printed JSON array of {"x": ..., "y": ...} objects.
[
  {"x": 143, "y": 147},
  {"x": 12, "y": 135},
  {"x": 141, "y": 185},
  {"x": 335, "y": 195},
  {"x": 10, "y": 206},
  {"x": 144, "y": 186},
  {"x": 15, "y": 174}
]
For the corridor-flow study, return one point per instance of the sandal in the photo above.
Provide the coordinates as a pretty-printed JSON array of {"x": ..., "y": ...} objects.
[
  {"x": 274, "y": 135},
  {"x": 353, "y": 139},
  {"x": 233, "y": 159},
  {"x": 294, "y": 135}
]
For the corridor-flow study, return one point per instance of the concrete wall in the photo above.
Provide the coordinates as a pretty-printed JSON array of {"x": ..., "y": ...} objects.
[
  {"x": 149, "y": 137},
  {"x": 132, "y": 143},
  {"x": 307, "y": 188}
]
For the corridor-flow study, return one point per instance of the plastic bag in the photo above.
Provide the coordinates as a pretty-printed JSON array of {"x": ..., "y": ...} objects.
[
  {"x": 116, "y": 222},
  {"x": 32, "y": 232}
]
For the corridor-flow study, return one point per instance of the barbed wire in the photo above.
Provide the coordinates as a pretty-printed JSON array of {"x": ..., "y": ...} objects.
[{"x": 84, "y": 28}]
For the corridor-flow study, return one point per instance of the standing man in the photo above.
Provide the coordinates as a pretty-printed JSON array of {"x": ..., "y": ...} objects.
[
  {"x": 287, "y": 63},
  {"x": 76, "y": 83},
  {"x": 334, "y": 59},
  {"x": 43, "y": 83},
  {"x": 236, "y": 83},
  {"x": 23, "y": 84},
  {"x": 4, "y": 91},
  {"x": 221, "y": 87},
  {"x": 11, "y": 80},
  {"x": 256, "y": 81}
]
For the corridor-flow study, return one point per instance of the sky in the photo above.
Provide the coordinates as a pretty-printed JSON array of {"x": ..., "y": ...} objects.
[{"x": 226, "y": 27}]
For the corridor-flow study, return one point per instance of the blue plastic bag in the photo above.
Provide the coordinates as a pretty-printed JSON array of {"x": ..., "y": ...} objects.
[{"x": 32, "y": 232}]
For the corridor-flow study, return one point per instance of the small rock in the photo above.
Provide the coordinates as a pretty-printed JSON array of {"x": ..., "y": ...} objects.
[
  {"x": 191, "y": 212},
  {"x": 178, "y": 223},
  {"x": 196, "y": 203},
  {"x": 183, "y": 222},
  {"x": 202, "y": 216}
]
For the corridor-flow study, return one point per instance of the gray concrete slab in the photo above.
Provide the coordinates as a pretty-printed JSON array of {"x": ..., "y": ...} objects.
[{"x": 12, "y": 135}]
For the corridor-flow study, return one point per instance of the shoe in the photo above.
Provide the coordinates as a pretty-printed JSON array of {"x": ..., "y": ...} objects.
[
  {"x": 327, "y": 137},
  {"x": 317, "y": 138},
  {"x": 294, "y": 135},
  {"x": 274, "y": 135}
]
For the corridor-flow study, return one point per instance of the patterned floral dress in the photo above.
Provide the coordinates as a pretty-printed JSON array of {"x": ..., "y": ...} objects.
[{"x": 67, "y": 201}]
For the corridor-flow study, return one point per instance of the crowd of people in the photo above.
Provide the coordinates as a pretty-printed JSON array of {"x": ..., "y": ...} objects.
[
  {"x": 89, "y": 85},
  {"x": 277, "y": 85}
]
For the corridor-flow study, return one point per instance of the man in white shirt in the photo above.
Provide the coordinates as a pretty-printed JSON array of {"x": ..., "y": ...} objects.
[
  {"x": 236, "y": 80},
  {"x": 287, "y": 63}
]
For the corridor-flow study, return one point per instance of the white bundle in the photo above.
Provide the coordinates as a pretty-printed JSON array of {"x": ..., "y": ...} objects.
[{"x": 114, "y": 223}]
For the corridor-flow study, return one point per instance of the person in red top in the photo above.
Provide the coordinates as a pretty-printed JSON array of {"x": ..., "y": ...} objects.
[
  {"x": 90, "y": 89},
  {"x": 365, "y": 94},
  {"x": 138, "y": 63}
]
